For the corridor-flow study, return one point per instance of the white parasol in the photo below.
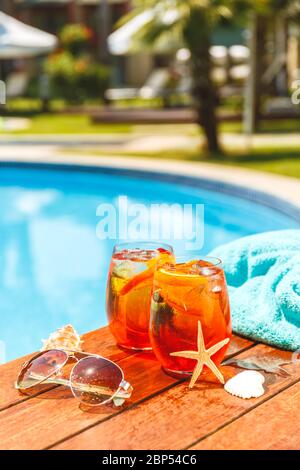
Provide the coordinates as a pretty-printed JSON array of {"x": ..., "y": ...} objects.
[{"x": 18, "y": 40}]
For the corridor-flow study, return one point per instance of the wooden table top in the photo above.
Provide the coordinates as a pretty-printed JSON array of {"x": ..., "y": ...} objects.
[{"x": 162, "y": 412}]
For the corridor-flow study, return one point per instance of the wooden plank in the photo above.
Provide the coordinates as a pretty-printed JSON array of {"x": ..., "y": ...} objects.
[
  {"x": 40, "y": 422},
  {"x": 179, "y": 417},
  {"x": 100, "y": 341},
  {"x": 274, "y": 425},
  {"x": 237, "y": 345}
]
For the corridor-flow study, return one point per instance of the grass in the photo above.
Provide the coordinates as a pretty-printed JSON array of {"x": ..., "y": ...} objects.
[
  {"x": 59, "y": 122},
  {"x": 81, "y": 124},
  {"x": 278, "y": 126},
  {"x": 282, "y": 162},
  {"x": 276, "y": 159},
  {"x": 69, "y": 124},
  {"x": 271, "y": 159}
]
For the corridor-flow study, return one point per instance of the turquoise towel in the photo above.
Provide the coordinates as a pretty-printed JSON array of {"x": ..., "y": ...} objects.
[{"x": 263, "y": 276}]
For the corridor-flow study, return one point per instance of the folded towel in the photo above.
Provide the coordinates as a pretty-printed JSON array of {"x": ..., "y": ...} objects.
[{"x": 263, "y": 276}]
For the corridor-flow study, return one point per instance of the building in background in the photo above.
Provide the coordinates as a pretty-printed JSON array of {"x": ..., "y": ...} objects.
[
  {"x": 99, "y": 15},
  {"x": 102, "y": 15}
]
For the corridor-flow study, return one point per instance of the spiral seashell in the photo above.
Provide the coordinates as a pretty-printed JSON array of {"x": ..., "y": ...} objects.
[
  {"x": 63, "y": 338},
  {"x": 247, "y": 384}
]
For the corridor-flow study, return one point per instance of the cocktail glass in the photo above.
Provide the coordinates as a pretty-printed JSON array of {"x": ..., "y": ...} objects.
[
  {"x": 184, "y": 293},
  {"x": 129, "y": 287}
]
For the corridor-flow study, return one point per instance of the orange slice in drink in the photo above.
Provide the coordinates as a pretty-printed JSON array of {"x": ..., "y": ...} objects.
[
  {"x": 146, "y": 275},
  {"x": 137, "y": 280},
  {"x": 189, "y": 295}
]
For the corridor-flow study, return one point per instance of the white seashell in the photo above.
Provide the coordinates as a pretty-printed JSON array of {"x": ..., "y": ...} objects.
[
  {"x": 247, "y": 384},
  {"x": 63, "y": 338}
]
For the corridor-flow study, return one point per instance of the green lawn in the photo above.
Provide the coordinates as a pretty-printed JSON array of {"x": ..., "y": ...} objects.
[
  {"x": 272, "y": 159},
  {"x": 276, "y": 159},
  {"x": 62, "y": 123},
  {"x": 69, "y": 124},
  {"x": 281, "y": 162}
]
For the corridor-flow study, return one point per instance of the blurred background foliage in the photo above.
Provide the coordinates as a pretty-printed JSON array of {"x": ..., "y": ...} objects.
[{"x": 73, "y": 71}]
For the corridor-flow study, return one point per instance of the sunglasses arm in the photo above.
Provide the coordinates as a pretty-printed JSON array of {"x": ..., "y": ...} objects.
[{"x": 124, "y": 391}]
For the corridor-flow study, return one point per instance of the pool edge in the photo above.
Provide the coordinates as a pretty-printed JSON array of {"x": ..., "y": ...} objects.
[{"x": 280, "y": 193}]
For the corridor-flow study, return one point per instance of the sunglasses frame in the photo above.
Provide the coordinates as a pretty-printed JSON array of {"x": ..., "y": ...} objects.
[{"x": 124, "y": 386}]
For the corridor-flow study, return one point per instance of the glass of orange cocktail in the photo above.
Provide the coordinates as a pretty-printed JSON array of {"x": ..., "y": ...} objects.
[
  {"x": 185, "y": 293},
  {"x": 129, "y": 287}
]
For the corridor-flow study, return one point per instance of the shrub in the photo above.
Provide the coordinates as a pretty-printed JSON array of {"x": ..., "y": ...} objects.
[
  {"x": 75, "y": 37},
  {"x": 73, "y": 72},
  {"x": 76, "y": 79}
]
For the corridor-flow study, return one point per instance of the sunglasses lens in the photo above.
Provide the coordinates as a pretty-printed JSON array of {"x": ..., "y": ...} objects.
[
  {"x": 95, "y": 379},
  {"x": 41, "y": 367}
]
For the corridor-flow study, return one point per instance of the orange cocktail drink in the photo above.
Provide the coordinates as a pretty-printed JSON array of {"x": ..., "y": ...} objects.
[
  {"x": 129, "y": 291},
  {"x": 183, "y": 294}
]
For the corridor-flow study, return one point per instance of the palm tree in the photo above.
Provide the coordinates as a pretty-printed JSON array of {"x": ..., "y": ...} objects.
[{"x": 191, "y": 23}]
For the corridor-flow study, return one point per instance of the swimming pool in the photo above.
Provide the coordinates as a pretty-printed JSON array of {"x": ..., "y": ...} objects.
[{"x": 53, "y": 264}]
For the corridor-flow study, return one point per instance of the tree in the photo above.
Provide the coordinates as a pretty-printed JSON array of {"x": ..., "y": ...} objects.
[
  {"x": 192, "y": 22},
  {"x": 287, "y": 11},
  {"x": 268, "y": 16}
]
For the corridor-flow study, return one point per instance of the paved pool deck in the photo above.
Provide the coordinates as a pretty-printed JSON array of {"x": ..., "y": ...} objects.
[{"x": 146, "y": 140}]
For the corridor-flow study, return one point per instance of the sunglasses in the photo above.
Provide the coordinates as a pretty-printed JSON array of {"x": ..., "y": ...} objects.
[{"x": 93, "y": 379}]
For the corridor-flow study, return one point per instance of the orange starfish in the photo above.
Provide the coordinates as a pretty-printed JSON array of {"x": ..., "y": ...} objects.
[{"x": 203, "y": 357}]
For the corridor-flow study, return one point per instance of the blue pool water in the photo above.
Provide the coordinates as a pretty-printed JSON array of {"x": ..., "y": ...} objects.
[{"x": 53, "y": 264}]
